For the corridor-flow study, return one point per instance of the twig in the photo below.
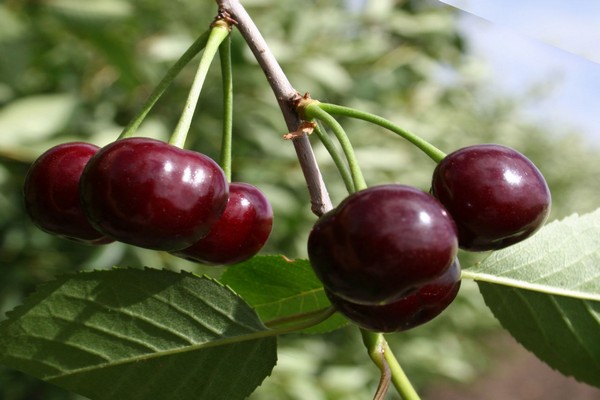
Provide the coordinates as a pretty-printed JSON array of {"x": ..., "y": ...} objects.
[{"x": 286, "y": 97}]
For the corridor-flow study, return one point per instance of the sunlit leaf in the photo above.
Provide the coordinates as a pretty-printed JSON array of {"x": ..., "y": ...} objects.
[
  {"x": 34, "y": 118},
  {"x": 562, "y": 259},
  {"x": 546, "y": 292}
]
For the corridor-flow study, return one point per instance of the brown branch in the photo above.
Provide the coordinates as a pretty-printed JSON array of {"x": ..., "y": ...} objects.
[{"x": 286, "y": 97}]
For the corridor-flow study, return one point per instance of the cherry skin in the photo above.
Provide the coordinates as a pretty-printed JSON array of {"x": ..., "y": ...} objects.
[
  {"x": 381, "y": 243},
  {"x": 151, "y": 194},
  {"x": 51, "y": 193},
  {"x": 496, "y": 195},
  {"x": 241, "y": 231},
  {"x": 415, "y": 309}
]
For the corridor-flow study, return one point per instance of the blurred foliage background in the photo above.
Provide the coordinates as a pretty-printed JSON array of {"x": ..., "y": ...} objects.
[{"x": 79, "y": 70}]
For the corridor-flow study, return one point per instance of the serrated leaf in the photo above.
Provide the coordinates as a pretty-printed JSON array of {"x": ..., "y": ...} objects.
[
  {"x": 563, "y": 258},
  {"x": 277, "y": 287},
  {"x": 546, "y": 292},
  {"x": 139, "y": 334},
  {"x": 561, "y": 331}
]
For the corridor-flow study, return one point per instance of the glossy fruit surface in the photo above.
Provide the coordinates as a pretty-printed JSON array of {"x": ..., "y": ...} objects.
[
  {"x": 415, "y": 309},
  {"x": 151, "y": 194},
  {"x": 51, "y": 193},
  {"x": 496, "y": 195},
  {"x": 241, "y": 231},
  {"x": 382, "y": 242}
]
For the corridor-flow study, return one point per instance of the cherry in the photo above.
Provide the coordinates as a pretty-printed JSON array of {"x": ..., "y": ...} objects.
[
  {"x": 51, "y": 193},
  {"x": 152, "y": 194},
  {"x": 381, "y": 243},
  {"x": 496, "y": 196},
  {"x": 415, "y": 309},
  {"x": 241, "y": 231}
]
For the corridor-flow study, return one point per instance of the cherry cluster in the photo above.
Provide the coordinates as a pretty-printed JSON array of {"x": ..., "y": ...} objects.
[
  {"x": 387, "y": 255},
  {"x": 150, "y": 194}
]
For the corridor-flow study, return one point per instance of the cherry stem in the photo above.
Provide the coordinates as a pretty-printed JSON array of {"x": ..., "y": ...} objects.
[
  {"x": 381, "y": 354},
  {"x": 316, "y": 315},
  {"x": 342, "y": 167},
  {"x": 185, "y": 58},
  {"x": 227, "y": 77},
  {"x": 433, "y": 152},
  {"x": 218, "y": 33},
  {"x": 286, "y": 97},
  {"x": 313, "y": 110}
]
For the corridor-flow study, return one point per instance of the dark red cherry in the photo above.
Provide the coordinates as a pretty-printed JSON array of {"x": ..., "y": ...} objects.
[
  {"x": 151, "y": 194},
  {"x": 381, "y": 243},
  {"x": 51, "y": 193},
  {"x": 415, "y": 309},
  {"x": 241, "y": 231},
  {"x": 496, "y": 195}
]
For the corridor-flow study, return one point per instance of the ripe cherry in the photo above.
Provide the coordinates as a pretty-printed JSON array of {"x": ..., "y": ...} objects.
[
  {"x": 151, "y": 194},
  {"x": 241, "y": 231},
  {"x": 381, "y": 243},
  {"x": 415, "y": 309},
  {"x": 496, "y": 195},
  {"x": 51, "y": 193}
]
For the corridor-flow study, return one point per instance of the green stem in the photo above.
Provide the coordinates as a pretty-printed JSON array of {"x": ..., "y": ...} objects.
[
  {"x": 314, "y": 111},
  {"x": 399, "y": 378},
  {"x": 433, "y": 152},
  {"x": 311, "y": 316},
  {"x": 190, "y": 53},
  {"x": 375, "y": 347},
  {"x": 336, "y": 157},
  {"x": 227, "y": 76},
  {"x": 384, "y": 358},
  {"x": 218, "y": 33}
]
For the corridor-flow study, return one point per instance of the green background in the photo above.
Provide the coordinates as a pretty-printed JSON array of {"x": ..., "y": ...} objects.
[{"x": 78, "y": 70}]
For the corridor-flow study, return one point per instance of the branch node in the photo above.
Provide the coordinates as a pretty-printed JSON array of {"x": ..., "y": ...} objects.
[
  {"x": 224, "y": 19},
  {"x": 302, "y": 102}
]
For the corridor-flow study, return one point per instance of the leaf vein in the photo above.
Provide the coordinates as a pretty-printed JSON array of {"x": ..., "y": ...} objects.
[
  {"x": 230, "y": 318},
  {"x": 134, "y": 316}
]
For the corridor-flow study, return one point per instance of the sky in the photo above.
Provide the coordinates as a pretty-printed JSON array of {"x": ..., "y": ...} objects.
[
  {"x": 570, "y": 25},
  {"x": 542, "y": 41}
]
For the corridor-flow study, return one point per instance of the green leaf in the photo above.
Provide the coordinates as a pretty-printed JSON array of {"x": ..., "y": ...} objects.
[
  {"x": 563, "y": 258},
  {"x": 546, "y": 292},
  {"x": 92, "y": 12},
  {"x": 139, "y": 334},
  {"x": 101, "y": 23},
  {"x": 34, "y": 118},
  {"x": 277, "y": 287},
  {"x": 110, "y": 44},
  {"x": 10, "y": 25},
  {"x": 561, "y": 331}
]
